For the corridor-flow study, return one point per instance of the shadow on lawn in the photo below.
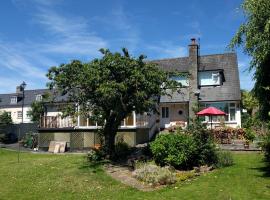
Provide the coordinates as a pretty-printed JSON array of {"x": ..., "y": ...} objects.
[{"x": 265, "y": 169}]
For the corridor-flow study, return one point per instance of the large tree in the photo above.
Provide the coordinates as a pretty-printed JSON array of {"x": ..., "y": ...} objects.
[
  {"x": 110, "y": 88},
  {"x": 254, "y": 36}
]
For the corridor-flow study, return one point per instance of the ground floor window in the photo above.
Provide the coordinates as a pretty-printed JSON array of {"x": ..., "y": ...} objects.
[
  {"x": 227, "y": 107},
  {"x": 165, "y": 112}
]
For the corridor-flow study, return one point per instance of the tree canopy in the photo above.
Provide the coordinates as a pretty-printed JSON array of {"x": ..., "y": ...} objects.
[
  {"x": 249, "y": 101},
  {"x": 110, "y": 88},
  {"x": 5, "y": 119},
  {"x": 254, "y": 36}
]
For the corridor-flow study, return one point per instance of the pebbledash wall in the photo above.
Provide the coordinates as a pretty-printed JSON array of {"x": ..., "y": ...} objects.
[{"x": 80, "y": 139}]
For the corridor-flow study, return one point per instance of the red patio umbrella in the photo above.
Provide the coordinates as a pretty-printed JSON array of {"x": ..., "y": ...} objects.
[{"x": 211, "y": 111}]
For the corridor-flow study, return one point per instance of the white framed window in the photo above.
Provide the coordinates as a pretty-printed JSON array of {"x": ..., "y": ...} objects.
[
  {"x": 232, "y": 111},
  {"x": 181, "y": 79},
  {"x": 38, "y": 97},
  {"x": 19, "y": 115},
  {"x": 165, "y": 112},
  {"x": 28, "y": 114},
  {"x": 208, "y": 78},
  {"x": 228, "y": 107},
  {"x": 13, "y": 100}
]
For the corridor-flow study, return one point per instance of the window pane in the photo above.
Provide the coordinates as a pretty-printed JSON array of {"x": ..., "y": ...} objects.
[
  {"x": 19, "y": 114},
  {"x": 181, "y": 79},
  {"x": 232, "y": 114},
  {"x": 163, "y": 112},
  {"x": 83, "y": 120},
  {"x": 129, "y": 120},
  {"x": 209, "y": 78},
  {"x": 91, "y": 122},
  {"x": 232, "y": 104},
  {"x": 167, "y": 112}
]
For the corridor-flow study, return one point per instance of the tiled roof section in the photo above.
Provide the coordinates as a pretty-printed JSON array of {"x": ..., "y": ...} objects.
[
  {"x": 230, "y": 90},
  {"x": 30, "y": 96},
  {"x": 174, "y": 64},
  {"x": 181, "y": 95}
]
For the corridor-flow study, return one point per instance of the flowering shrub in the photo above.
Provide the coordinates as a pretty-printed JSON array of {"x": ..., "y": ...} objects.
[{"x": 226, "y": 134}]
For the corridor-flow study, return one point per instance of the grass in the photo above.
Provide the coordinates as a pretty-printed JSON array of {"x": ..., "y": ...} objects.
[{"x": 46, "y": 176}]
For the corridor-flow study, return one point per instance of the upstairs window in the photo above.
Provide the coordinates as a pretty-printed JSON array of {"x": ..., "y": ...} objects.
[
  {"x": 38, "y": 97},
  {"x": 181, "y": 79},
  {"x": 208, "y": 78},
  {"x": 19, "y": 115},
  {"x": 13, "y": 100}
]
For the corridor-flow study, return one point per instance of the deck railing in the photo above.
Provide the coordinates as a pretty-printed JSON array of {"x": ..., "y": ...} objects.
[
  {"x": 56, "y": 122},
  {"x": 141, "y": 121}
]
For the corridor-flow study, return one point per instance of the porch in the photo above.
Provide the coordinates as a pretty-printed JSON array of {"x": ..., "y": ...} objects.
[
  {"x": 173, "y": 114},
  {"x": 81, "y": 133}
]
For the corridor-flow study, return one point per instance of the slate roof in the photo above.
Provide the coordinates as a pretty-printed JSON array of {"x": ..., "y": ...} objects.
[
  {"x": 30, "y": 96},
  {"x": 230, "y": 90},
  {"x": 227, "y": 62}
]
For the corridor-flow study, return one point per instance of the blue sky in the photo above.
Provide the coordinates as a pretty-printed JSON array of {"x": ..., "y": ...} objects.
[{"x": 37, "y": 34}]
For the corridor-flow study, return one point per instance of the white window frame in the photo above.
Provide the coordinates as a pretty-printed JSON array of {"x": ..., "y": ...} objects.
[
  {"x": 38, "y": 97},
  {"x": 229, "y": 113},
  {"x": 214, "y": 74},
  {"x": 19, "y": 114},
  {"x": 13, "y": 100}
]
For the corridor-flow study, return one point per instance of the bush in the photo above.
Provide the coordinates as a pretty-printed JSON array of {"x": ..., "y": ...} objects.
[
  {"x": 266, "y": 146},
  {"x": 205, "y": 146},
  {"x": 30, "y": 140},
  {"x": 8, "y": 138},
  {"x": 184, "y": 175},
  {"x": 177, "y": 150},
  {"x": 249, "y": 135},
  {"x": 155, "y": 175},
  {"x": 122, "y": 150},
  {"x": 95, "y": 155},
  {"x": 224, "y": 159}
]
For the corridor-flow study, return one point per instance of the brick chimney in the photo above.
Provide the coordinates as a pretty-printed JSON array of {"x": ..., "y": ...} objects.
[
  {"x": 193, "y": 81},
  {"x": 18, "y": 90}
]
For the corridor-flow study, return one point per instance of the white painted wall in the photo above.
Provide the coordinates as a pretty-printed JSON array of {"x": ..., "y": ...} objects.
[{"x": 14, "y": 114}]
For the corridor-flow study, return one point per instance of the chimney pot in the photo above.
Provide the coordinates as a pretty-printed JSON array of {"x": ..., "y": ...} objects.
[{"x": 193, "y": 40}]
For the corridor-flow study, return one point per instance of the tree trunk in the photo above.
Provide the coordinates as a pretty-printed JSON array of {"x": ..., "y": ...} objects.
[{"x": 110, "y": 131}]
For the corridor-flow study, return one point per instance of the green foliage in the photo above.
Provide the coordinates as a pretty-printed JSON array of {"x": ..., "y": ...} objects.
[
  {"x": 205, "y": 146},
  {"x": 185, "y": 175},
  {"x": 30, "y": 140},
  {"x": 110, "y": 88},
  {"x": 177, "y": 150},
  {"x": 5, "y": 119},
  {"x": 38, "y": 108},
  {"x": 249, "y": 134},
  {"x": 155, "y": 175},
  {"x": 266, "y": 146},
  {"x": 185, "y": 149},
  {"x": 249, "y": 101},
  {"x": 95, "y": 155},
  {"x": 224, "y": 159},
  {"x": 254, "y": 36}
]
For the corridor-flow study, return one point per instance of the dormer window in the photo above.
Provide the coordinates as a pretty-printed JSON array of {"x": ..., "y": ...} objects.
[
  {"x": 13, "y": 100},
  {"x": 210, "y": 78},
  {"x": 38, "y": 97},
  {"x": 183, "y": 79}
]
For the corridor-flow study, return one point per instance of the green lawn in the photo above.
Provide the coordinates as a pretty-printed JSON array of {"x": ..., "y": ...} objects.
[{"x": 67, "y": 177}]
